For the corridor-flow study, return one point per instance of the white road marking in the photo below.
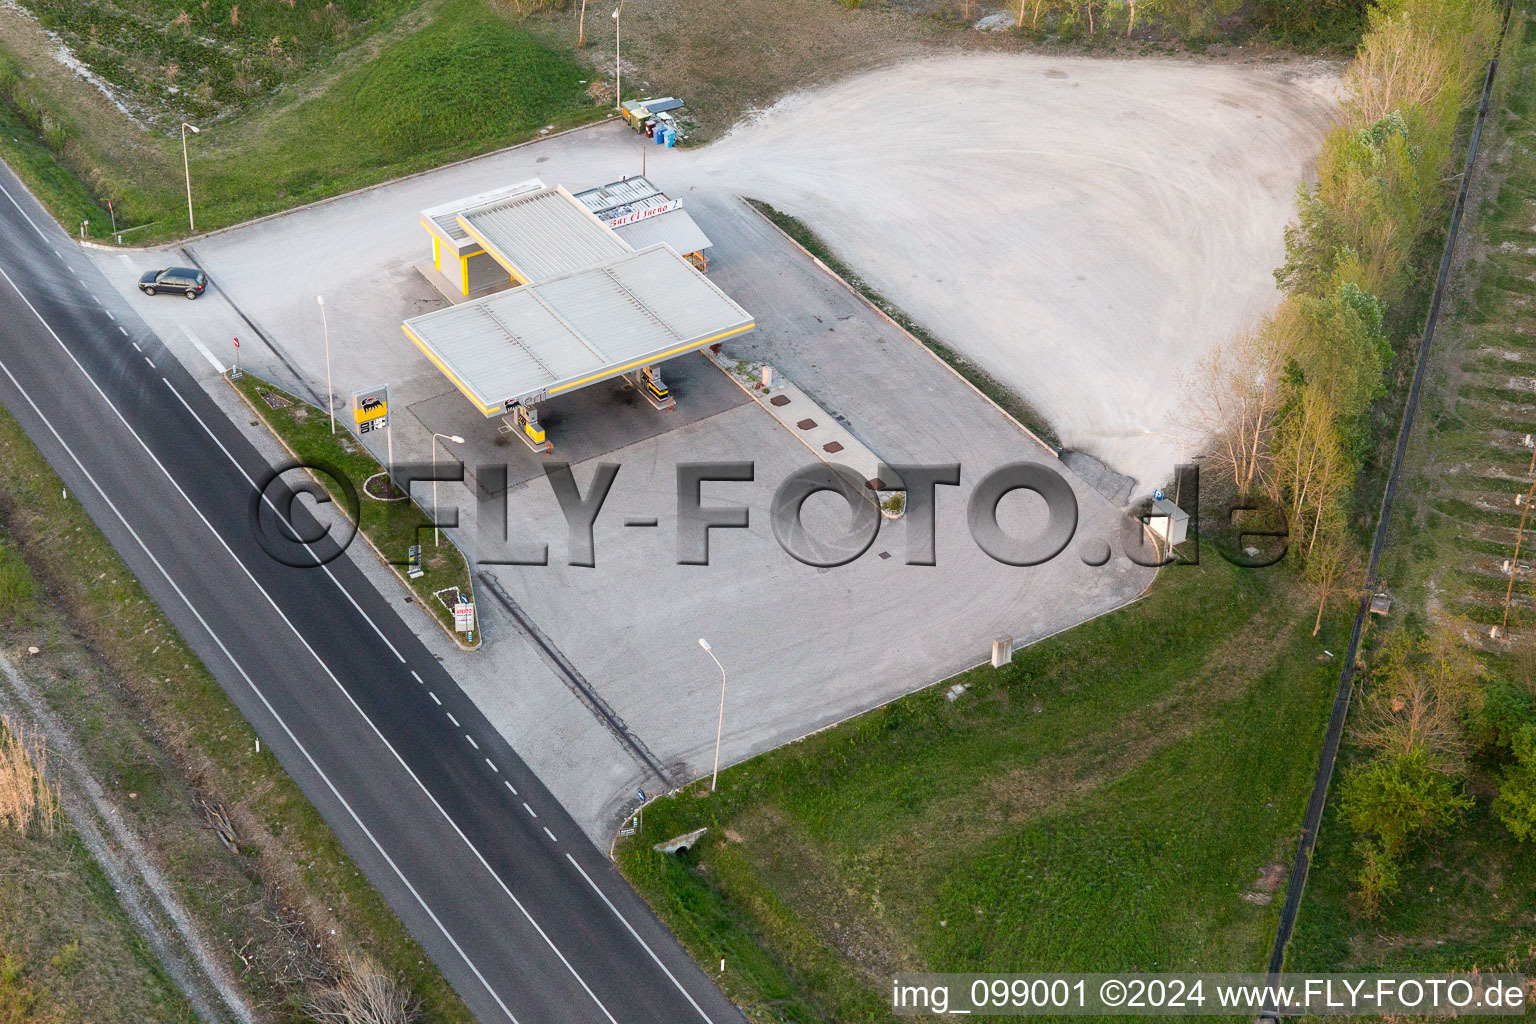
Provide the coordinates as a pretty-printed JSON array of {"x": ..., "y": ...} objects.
[
  {"x": 509, "y": 785},
  {"x": 136, "y": 347},
  {"x": 550, "y": 834},
  {"x": 150, "y": 362},
  {"x": 123, "y": 329},
  {"x": 471, "y": 739},
  {"x": 71, "y": 270},
  {"x": 530, "y": 810},
  {"x": 455, "y": 721},
  {"x": 420, "y": 680},
  {"x": 434, "y": 697},
  {"x": 644, "y": 945},
  {"x": 300, "y": 636},
  {"x": 204, "y": 350},
  {"x": 493, "y": 766},
  {"x": 106, "y": 311},
  {"x": 314, "y": 654},
  {"x": 215, "y": 636}
]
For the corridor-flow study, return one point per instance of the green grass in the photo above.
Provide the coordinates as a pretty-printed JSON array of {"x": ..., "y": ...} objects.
[
  {"x": 152, "y": 720},
  {"x": 68, "y": 950},
  {"x": 223, "y": 53},
  {"x": 403, "y": 97},
  {"x": 393, "y": 526},
  {"x": 1101, "y": 803}
]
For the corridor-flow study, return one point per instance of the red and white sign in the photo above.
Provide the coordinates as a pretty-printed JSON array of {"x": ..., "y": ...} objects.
[{"x": 639, "y": 215}]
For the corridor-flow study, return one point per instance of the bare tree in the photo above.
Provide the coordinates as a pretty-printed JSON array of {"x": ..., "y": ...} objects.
[
  {"x": 363, "y": 994},
  {"x": 581, "y": 26},
  {"x": 1333, "y": 569},
  {"x": 1232, "y": 400}
]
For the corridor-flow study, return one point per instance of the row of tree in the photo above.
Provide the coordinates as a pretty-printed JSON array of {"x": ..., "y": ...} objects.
[
  {"x": 1292, "y": 400},
  {"x": 1311, "y": 20}
]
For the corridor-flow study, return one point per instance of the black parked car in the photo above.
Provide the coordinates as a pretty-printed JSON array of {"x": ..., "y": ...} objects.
[{"x": 190, "y": 283}]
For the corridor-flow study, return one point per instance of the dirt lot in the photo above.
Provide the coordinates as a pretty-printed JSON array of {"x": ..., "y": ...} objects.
[{"x": 1084, "y": 229}]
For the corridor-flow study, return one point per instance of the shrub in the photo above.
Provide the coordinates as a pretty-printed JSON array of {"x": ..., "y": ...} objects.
[
  {"x": 1392, "y": 799},
  {"x": 1515, "y": 805}
]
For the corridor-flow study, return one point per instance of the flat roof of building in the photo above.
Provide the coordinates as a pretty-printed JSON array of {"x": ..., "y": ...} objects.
[
  {"x": 674, "y": 228},
  {"x": 443, "y": 220},
  {"x": 618, "y": 199},
  {"x": 541, "y": 234},
  {"x": 527, "y": 344}
]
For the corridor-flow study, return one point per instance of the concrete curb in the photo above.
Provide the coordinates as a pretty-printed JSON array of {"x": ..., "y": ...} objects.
[
  {"x": 905, "y": 333},
  {"x": 827, "y": 428},
  {"x": 382, "y": 559},
  {"x": 191, "y": 239}
]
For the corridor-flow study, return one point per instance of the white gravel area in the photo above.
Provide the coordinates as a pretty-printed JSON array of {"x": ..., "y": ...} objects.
[{"x": 1085, "y": 229}]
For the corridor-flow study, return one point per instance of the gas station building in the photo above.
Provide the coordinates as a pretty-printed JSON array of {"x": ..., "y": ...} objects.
[{"x": 549, "y": 295}]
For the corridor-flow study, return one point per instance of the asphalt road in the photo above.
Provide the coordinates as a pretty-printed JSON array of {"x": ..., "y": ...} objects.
[{"x": 525, "y": 917}]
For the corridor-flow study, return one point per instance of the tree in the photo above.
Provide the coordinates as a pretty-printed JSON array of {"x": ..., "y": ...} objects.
[
  {"x": 1333, "y": 568},
  {"x": 1515, "y": 805},
  {"x": 1233, "y": 398},
  {"x": 1310, "y": 471},
  {"x": 1390, "y": 800}
]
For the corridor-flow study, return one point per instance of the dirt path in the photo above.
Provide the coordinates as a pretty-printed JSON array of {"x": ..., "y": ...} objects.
[{"x": 165, "y": 924}]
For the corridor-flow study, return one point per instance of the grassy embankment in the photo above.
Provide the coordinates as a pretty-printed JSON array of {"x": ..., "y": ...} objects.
[
  {"x": 164, "y": 739},
  {"x": 392, "y": 526},
  {"x": 68, "y": 951},
  {"x": 303, "y": 99},
  {"x": 296, "y": 102},
  {"x": 1122, "y": 796},
  {"x": 1467, "y": 899}
]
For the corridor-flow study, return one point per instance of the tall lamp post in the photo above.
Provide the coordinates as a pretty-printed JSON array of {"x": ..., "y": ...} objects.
[
  {"x": 456, "y": 439},
  {"x": 618, "y": 93},
  {"x": 186, "y": 166},
  {"x": 330, "y": 396},
  {"x": 719, "y": 722}
]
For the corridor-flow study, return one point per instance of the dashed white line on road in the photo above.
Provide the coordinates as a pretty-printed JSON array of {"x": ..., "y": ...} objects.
[
  {"x": 420, "y": 680},
  {"x": 136, "y": 347},
  {"x": 193, "y": 608},
  {"x": 493, "y": 766},
  {"x": 530, "y": 810},
  {"x": 509, "y": 785},
  {"x": 123, "y": 329},
  {"x": 73, "y": 271},
  {"x": 150, "y": 362},
  {"x": 471, "y": 739},
  {"x": 434, "y": 698},
  {"x": 455, "y": 721},
  {"x": 550, "y": 834},
  {"x": 107, "y": 311}
]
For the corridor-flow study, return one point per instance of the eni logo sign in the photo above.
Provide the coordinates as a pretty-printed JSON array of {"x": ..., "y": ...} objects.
[{"x": 370, "y": 408}]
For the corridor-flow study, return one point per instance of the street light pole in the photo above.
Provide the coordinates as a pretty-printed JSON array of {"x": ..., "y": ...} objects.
[
  {"x": 456, "y": 439},
  {"x": 186, "y": 166},
  {"x": 330, "y": 397},
  {"x": 618, "y": 92},
  {"x": 719, "y": 722}
]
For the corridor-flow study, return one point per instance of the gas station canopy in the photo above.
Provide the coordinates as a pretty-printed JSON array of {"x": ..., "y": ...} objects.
[{"x": 629, "y": 310}]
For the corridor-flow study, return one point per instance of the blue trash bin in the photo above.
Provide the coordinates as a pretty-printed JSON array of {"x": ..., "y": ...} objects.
[
  {"x": 671, "y": 137},
  {"x": 660, "y": 136}
]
